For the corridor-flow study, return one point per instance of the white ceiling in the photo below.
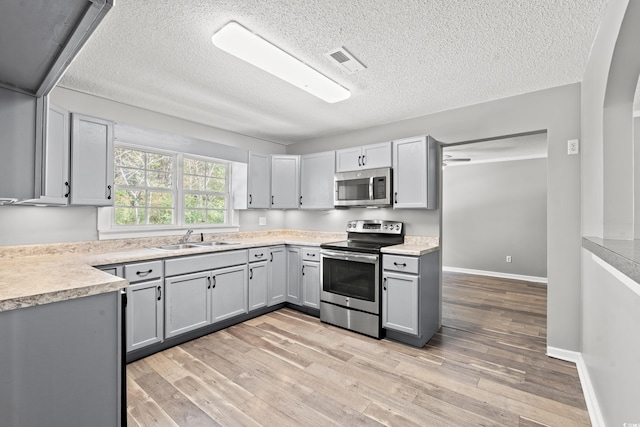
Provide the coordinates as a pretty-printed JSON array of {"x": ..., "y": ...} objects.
[
  {"x": 423, "y": 56},
  {"x": 515, "y": 148}
]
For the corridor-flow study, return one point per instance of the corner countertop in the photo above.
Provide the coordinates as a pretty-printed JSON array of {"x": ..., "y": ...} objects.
[
  {"x": 32, "y": 275},
  {"x": 624, "y": 255}
]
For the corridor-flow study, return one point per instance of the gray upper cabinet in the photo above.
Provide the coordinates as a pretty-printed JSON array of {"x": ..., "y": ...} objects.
[
  {"x": 277, "y": 269},
  {"x": 259, "y": 181},
  {"x": 365, "y": 157},
  {"x": 285, "y": 181},
  {"x": 91, "y": 161},
  {"x": 55, "y": 158},
  {"x": 228, "y": 292},
  {"x": 415, "y": 173},
  {"x": 316, "y": 180}
]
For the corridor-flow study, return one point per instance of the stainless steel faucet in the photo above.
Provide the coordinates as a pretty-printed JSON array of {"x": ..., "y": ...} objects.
[{"x": 186, "y": 236}]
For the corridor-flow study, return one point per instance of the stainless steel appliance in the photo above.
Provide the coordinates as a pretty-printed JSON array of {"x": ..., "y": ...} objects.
[
  {"x": 351, "y": 273},
  {"x": 371, "y": 187}
]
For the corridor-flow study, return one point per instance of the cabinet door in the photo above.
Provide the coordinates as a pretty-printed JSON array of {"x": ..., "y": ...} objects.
[
  {"x": 277, "y": 269},
  {"x": 316, "y": 180},
  {"x": 410, "y": 173},
  {"x": 311, "y": 284},
  {"x": 376, "y": 156},
  {"x": 91, "y": 161},
  {"x": 259, "y": 181},
  {"x": 187, "y": 303},
  {"x": 400, "y": 302},
  {"x": 55, "y": 158},
  {"x": 145, "y": 314},
  {"x": 229, "y": 292},
  {"x": 294, "y": 270},
  {"x": 258, "y": 283},
  {"x": 349, "y": 159},
  {"x": 285, "y": 182}
]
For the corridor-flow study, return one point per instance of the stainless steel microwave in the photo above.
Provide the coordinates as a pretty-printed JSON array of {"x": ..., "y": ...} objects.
[{"x": 370, "y": 187}]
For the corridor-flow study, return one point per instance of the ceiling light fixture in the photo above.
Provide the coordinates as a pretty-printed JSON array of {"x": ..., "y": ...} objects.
[{"x": 233, "y": 38}]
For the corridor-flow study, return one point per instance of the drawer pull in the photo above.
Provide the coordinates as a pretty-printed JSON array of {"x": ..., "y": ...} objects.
[
  {"x": 144, "y": 273},
  {"x": 404, "y": 264},
  {"x": 258, "y": 255},
  {"x": 313, "y": 255}
]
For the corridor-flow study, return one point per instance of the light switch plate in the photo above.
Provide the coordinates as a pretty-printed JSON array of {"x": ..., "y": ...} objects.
[
  {"x": 573, "y": 146},
  {"x": 262, "y": 220}
]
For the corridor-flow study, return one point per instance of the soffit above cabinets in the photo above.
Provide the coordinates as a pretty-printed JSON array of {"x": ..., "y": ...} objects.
[
  {"x": 421, "y": 57},
  {"x": 39, "y": 38}
]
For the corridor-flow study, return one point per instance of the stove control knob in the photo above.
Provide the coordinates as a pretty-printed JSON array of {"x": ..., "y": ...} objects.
[
  {"x": 386, "y": 226},
  {"x": 397, "y": 226}
]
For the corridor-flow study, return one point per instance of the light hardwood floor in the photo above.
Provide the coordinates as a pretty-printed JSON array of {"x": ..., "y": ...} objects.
[{"x": 487, "y": 366}]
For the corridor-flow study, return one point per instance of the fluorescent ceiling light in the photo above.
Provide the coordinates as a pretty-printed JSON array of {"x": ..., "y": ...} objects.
[{"x": 242, "y": 43}]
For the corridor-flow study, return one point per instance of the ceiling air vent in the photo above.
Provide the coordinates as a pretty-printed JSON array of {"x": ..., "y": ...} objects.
[{"x": 345, "y": 60}]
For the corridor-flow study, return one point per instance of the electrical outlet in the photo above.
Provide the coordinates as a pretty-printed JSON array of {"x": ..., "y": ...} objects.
[
  {"x": 262, "y": 220},
  {"x": 573, "y": 146},
  {"x": 508, "y": 258}
]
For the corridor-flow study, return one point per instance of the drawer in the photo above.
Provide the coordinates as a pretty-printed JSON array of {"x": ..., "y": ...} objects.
[
  {"x": 311, "y": 254},
  {"x": 143, "y": 271},
  {"x": 195, "y": 263},
  {"x": 404, "y": 264},
  {"x": 258, "y": 254}
]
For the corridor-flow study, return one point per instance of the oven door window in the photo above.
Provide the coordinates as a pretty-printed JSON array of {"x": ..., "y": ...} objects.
[
  {"x": 349, "y": 278},
  {"x": 353, "y": 189}
]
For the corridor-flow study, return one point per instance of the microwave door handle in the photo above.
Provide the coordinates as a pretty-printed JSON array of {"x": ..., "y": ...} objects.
[{"x": 371, "y": 188}]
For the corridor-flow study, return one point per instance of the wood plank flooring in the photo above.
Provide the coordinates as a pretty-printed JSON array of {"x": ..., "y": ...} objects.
[{"x": 486, "y": 367}]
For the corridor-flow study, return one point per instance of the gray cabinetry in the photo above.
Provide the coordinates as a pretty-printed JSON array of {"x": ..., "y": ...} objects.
[
  {"x": 294, "y": 275},
  {"x": 55, "y": 183},
  {"x": 411, "y": 297},
  {"x": 316, "y": 180},
  {"x": 258, "y": 277},
  {"x": 259, "y": 181},
  {"x": 188, "y": 303},
  {"x": 277, "y": 272},
  {"x": 285, "y": 181},
  {"x": 365, "y": 157},
  {"x": 415, "y": 173},
  {"x": 145, "y": 304},
  {"x": 311, "y": 277},
  {"x": 91, "y": 161},
  {"x": 228, "y": 292}
]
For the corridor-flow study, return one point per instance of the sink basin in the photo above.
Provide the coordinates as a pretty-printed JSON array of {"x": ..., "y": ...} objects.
[
  {"x": 216, "y": 243},
  {"x": 177, "y": 246}
]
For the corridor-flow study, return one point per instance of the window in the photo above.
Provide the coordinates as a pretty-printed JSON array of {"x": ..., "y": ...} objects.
[{"x": 155, "y": 189}]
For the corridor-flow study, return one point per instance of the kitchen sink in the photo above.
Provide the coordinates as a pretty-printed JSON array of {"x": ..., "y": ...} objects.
[
  {"x": 216, "y": 243},
  {"x": 177, "y": 246}
]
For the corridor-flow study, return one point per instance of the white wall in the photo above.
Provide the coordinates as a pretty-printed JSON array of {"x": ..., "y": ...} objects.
[
  {"x": 556, "y": 110},
  {"x": 491, "y": 210}
]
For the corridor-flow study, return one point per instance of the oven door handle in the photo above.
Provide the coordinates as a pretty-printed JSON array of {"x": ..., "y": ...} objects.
[{"x": 349, "y": 256}]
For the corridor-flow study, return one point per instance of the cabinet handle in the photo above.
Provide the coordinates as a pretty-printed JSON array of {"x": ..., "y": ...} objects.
[
  {"x": 363, "y": 162},
  {"x": 109, "y": 195},
  {"x": 303, "y": 270},
  {"x": 250, "y": 273},
  {"x": 384, "y": 287},
  {"x": 250, "y": 199},
  {"x": 359, "y": 158},
  {"x": 272, "y": 199},
  {"x": 311, "y": 255},
  {"x": 271, "y": 260},
  {"x": 68, "y": 189},
  {"x": 258, "y": 255},
  {"x": 396, "y": 198},
  {"x": 214, "y": 282},
  {"x": 144, "y": 273},
  {"x": 159, "y": 293},
  {"x": 404, "y": 264},
  {"x": 209, "y": 282},
  {"x": 300, "y": 200}
]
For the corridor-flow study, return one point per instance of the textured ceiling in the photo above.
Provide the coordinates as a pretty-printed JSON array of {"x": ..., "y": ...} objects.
[{"x": 422, "y": 56}]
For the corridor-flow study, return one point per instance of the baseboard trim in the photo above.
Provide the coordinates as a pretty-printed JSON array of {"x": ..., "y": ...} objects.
[
  {"x": 585, "y": 380},
  {"x": 496, "y": 274}
]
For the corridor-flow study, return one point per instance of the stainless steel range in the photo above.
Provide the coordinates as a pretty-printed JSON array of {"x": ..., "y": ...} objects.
[{"x": 351, "y": 273}]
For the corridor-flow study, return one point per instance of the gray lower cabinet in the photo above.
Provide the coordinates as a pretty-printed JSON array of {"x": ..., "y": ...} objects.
[
  {"x": 228, "y": 292},
  {"x": 411, "y": 297},
  {"x": 294, "y": 275},
  {"x": 145, "y": 304},
  {"x": 258, "y": 282},
  {"x": 277, "y": 272},
  {"x": 311, "y": 277},
  {"x": 188, "y": 303}
]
